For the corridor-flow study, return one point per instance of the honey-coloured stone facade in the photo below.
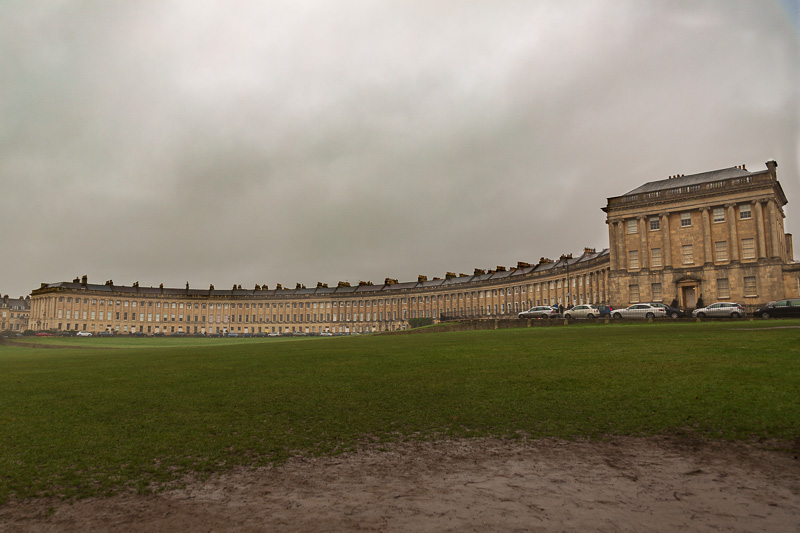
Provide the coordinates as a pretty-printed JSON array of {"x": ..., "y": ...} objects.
[
  {"x": 716, "y": 236},
  {"x": 14, "y": 314},
  {"x": 702, "y": 238}
]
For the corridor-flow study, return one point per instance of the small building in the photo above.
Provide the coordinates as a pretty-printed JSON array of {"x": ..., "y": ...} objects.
[{"x": 14, "y": 314}]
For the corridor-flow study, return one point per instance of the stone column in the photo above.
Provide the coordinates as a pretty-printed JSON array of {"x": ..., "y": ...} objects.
[
  {"x": 773, "y": 229},
  {"x": 622, "y": 260},
  {"x": 666, "y": 251},
  {"x": 762, "y": 245},
  {"x": 706, "y": 235},
  {"x": 643, "y": 251},
  {"x": 734, "y": 236},
  {"x": 612, "y": 244}
]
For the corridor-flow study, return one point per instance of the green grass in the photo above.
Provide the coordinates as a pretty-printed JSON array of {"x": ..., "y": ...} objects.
[{"x": 129, "y": 413}]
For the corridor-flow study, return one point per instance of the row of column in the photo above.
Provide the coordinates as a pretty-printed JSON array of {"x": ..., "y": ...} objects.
[{"x": 616, "y": 235}]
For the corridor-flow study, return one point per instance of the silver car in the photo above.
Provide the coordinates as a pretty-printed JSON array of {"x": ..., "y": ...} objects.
[
  {"x": 640, "y": 311},
  {"x": 723, "y": 309},
  {"x": 540, "y": 311},
  {"x": 582, "y": 311}
]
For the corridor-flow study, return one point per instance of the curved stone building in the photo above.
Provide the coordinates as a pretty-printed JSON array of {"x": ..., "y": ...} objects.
[{"x": 717, "y": 236}]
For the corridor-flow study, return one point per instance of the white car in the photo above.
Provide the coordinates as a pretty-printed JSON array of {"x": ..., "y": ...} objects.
[
  {"x": 582, "y": 311},
  {"x": 725, "y": 309},
  {"x": 640, "y": 311},
  {"x": 83, "y": 334},
  {"x": 540, "y": 311}
]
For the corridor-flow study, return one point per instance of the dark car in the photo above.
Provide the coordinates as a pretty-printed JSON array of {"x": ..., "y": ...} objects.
[
  {"x": 605, "y": 310},
  {"x": 158, "y": 334},
  {"x": 780, "y": 308},
  {"x": 177, "y": 334},
  {"x": 105, "y": 334},
  {"x": 67, "y": 334},
  {"x": 672, "y": 312},
  {"x": 138, "y": 334},
  {"x": 247, "y": 334}
]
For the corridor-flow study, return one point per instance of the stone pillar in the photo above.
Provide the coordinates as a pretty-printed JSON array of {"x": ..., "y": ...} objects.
[
  {"x": 643, "y": 251},
  {"x": 706, "y": 235},
  {"x": 773, "y": 229},
  {"x": 612, "y": 243},
  {"x": 762, "y": 245},
  {"x": 734, "y": 236},
  {"x": 622, "y": 260},
  {"x": 666, "y": 251}
]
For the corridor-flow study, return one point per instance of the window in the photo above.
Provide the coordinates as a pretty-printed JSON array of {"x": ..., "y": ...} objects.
[
  {"x": 655, "y": 224},
  {"x": 721, "y": 248},
  {"x": 744, "y": 211},
  {"x": 656, "y": 290},
  {"x": 719, "y": 214},
  {"x": 750, "y": 286},
  {"x": 748, "y": 249},
  {"x": 687, "y": 255},
  {"x": 632, "y": 226},
  {"x": 655, "y": 257},
  {"x": 633, "y": 290},
  {"x": 686, "y": 220},
  {"x": 723, "y": 288},
  {"x": 633, "y": 259}
]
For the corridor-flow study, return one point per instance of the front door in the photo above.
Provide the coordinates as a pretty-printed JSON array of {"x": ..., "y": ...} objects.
[{"x": 689, "y": 298}]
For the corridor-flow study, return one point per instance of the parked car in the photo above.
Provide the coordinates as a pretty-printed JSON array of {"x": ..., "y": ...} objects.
[
  {"x": 260, "y": 334},
  {"x": 105, "y": 334},
  {"x": 582, "y": 311},
  {"x": 67, "y": 334},
  {"x": 720, "y": 309},
  {"x": 640, "y": 311},
  {"x": 273, "y": 334},
  {"x": 781, "y": 308},
  {"x": 138, "y": 334},
  {"x": 177, "y": 334},
  {"x": 44, "y": 334},
  {"x": 672, "y": 312},
  {"x": 604, "y": 310},
  {"x": 83, "y": 334},
  {"x": 232, "y": 334},
  {"x": 540, "y": 311},
  {"x": 247, "y": 334},
  {"x": 158, "y": 334},
  {"x": 326, "y": 334}
]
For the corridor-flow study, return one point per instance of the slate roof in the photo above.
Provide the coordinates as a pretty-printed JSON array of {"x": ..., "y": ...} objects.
[
  {"x": 693, "y": 179},
  {"x": 288, "y": 292}
]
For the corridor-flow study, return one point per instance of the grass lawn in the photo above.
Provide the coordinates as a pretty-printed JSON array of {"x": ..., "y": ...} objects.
[{"x": 130, "y": 412}]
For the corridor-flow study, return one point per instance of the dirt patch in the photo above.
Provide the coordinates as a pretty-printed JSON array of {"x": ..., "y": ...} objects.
[{"x": 625, "y": 484}]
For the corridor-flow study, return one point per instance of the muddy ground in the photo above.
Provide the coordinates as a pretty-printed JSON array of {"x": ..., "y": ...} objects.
[{"x": 624, "y": 484}]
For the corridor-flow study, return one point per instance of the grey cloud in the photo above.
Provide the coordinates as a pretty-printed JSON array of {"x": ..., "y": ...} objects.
[{"x": 271, "y": 142}]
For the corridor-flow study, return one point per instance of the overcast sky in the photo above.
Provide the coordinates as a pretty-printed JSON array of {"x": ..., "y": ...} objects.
[{"x": 257, "y": 141}]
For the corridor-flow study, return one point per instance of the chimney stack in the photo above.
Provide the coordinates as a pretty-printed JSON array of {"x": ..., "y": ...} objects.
[{"x": 771, "y": 166}]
